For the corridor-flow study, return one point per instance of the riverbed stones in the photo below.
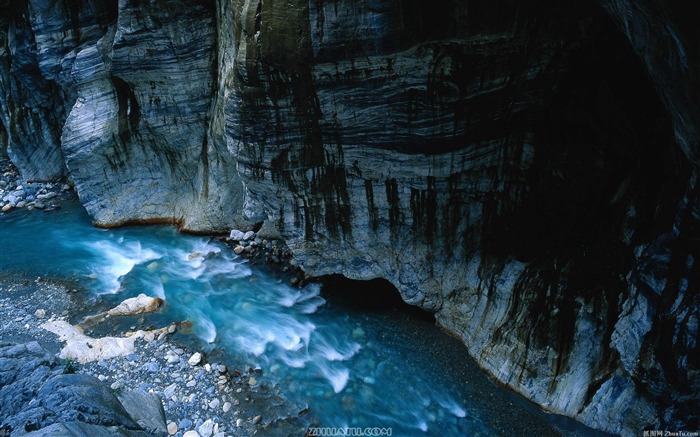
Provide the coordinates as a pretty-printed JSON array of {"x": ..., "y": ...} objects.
[
  {"x": 124, "y": 373},
  {"x": 206, "y": 429}
]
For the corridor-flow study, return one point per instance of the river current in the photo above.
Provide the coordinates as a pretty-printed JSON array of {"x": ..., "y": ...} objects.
[{"x": 353, "y": 366}]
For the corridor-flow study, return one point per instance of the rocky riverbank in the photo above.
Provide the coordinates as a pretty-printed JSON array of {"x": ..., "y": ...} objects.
[
  {"x": 200, "y": 396},
  {"x": 17, "y": 193}
]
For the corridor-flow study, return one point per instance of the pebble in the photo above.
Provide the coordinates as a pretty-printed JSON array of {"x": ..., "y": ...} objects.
[
  {"x": 172, "y": 428},
  {"x": 239, "y": 422},
  {"x": 206, "y": 429},
  {"x": 40, "y": 313},
  {"x": 237, "y": 250},
  {"x": 191, "y": 434},
  {"x": 227, "y": 407},
  {"x": 184, "y": 424},
  {"x": 195, "y": 359},
  {"x": 214, "y": 404},
  {"x": 169, "y": 391},
  {"x": 257, "y": 420}
]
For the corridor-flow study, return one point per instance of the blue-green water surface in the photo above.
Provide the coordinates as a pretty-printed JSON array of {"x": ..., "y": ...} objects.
[{"x": 353, "y": 368}]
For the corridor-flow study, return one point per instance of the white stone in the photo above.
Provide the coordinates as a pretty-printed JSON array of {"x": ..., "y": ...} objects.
[
  {"x": 191, "y": 434},
  {"x": 86, "y": 349},
  {"x": 172, "y": 428},
  {"x": 236, "y": 235},
  {"x": 169, "y": 391},
  {"x": 40, "y": 313},
  {"x": 195, "y": 359},
  {"x": 227, "y": 407},
  {"x": 206, "y": 429},
  {"x": 136, "y": 305},
  {"x": 214, "y": 404},
  {"x": 248, "y": 235}
]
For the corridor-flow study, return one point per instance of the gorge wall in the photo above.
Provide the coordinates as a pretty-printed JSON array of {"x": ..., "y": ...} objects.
[{"x": 526, "y": 170}]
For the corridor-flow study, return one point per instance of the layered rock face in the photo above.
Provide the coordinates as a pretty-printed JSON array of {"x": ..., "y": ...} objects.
[
  {"x": 516, "y": 168},
  {"x": 129, "y": 89},
  {"x": 526, "y": 170}
]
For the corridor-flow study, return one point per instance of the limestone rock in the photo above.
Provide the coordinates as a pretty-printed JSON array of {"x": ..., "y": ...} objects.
[{"x": 86, "y": 349}]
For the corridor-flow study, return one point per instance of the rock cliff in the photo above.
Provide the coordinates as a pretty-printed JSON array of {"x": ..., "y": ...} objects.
[{"x": 526, "y": 170}]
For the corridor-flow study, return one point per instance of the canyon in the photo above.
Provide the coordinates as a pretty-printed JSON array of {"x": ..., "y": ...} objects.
[{"x": 524, "y": 170}]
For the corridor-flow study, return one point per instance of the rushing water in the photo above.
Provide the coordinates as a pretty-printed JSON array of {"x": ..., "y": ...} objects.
[{"x": 354, "y": 368}]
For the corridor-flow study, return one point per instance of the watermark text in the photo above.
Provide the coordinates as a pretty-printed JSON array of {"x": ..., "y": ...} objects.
[{"x": 349, "y": 431}]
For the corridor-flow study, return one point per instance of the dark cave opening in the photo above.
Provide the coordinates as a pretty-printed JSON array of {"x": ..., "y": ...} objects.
[{"x": 370, "y": 296}]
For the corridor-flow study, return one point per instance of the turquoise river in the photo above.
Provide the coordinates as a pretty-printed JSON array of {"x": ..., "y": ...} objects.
[{"x": 354, "y": 364}]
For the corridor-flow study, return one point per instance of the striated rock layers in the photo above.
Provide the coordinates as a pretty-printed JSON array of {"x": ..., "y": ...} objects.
[
  {"x": 526, "y": 170},
  {"x": 120, "y": 97}
]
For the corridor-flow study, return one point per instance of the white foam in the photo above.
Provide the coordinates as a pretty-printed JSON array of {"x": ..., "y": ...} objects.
[
  {"x": 207, "y": 330},
  {"x": 118, "y": 259},
  {"x": 337, "y": 377},
  {"x": 453, "y": 407},
  {"x": 339, "y": 353}
]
